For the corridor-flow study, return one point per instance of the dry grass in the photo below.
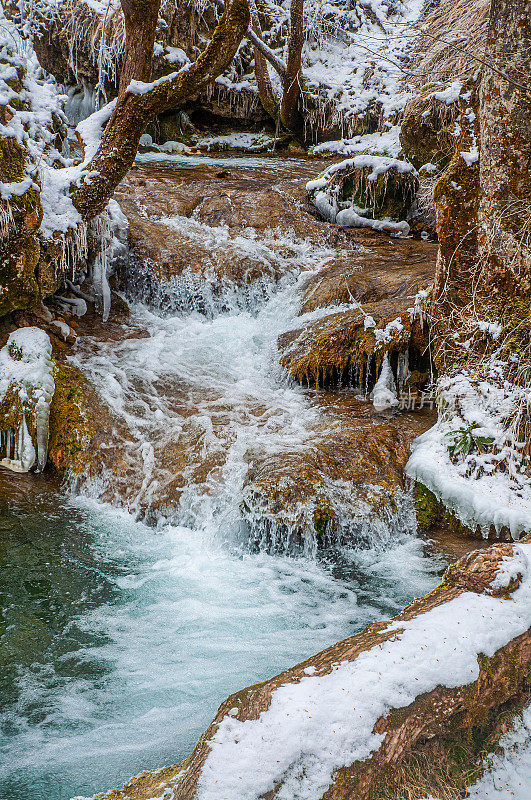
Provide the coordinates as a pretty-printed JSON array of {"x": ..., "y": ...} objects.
[{"x": 454, "y": 32}]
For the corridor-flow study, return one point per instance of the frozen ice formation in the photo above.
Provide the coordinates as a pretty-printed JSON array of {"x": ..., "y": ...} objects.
[
  {"x": 26, "y": 391},
  {"x": 384, "y": 392}
]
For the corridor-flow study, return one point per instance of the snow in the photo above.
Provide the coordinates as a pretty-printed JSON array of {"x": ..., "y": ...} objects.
[
  {"x": 450, "y": 94},
  {"x": 385, "y": 143},
  {"x": 236, "y": 141},
  {"x": 349, "y": 218},
  {"x": 174, "y": 55},
  {"x": 472, "y": 485},
  {"x": 141, "y": 88},
  {"x": 508, "y": 776},
  {"x": 26, "y": 369},
  {"x": 470, "y": 156},
  {"x": 325, "y": 722},
  {"x": 324, "y": 195},
  {"x": 378, "y": 165}
]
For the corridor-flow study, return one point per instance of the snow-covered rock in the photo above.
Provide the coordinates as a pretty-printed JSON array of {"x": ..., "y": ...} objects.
[
  {"x": 366, "y": 191},
  {"x": 26, "y": 391}
]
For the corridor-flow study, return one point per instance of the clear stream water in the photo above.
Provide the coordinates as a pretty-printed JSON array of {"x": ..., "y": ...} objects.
[{"x": 118, "y": 640}]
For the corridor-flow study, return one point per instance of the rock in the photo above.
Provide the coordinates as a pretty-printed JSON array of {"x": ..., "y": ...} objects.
[
  {"x": 427, "y": 133},
  {"x": 26, "y": 392},
  {"x": 184, "y": 249},
  {"x": 369, "y": 191},
  {"x": 20, "y": 209},
  {"x": 331, "y": 724},
  {"x": 347, "y": 346},
  {"x": 349, "y": 475},
  {"x": 33, "y": 127}
]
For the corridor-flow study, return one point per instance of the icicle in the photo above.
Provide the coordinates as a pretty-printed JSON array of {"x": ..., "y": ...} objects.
[
  {"x": 384, "y": 393},
  {"x": 24, "y": 453},
  {"x": 403, "y": 369}
]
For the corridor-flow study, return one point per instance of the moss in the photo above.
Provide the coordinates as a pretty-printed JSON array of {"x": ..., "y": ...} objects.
[
  {"x": 427, "y": 507},
  {"x": 323, "y": 516},
  {"x": 71, "y": 428},
  {"x": 431, "y": 513}
]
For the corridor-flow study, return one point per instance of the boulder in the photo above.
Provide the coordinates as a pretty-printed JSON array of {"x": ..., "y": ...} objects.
[
  {"x": 368, "y": 191},
  {"x": 428, "y": 130},
  {"x": 345, "y": 485},
  {"x": 381, "y": 290}
]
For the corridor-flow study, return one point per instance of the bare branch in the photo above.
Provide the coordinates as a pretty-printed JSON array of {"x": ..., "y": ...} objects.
[{"x": 277, "y": 64}]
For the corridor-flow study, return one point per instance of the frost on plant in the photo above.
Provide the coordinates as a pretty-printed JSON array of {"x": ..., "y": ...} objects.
[
  {"x": 473, "y": 459},
  {"x": 26, "y": 391}
]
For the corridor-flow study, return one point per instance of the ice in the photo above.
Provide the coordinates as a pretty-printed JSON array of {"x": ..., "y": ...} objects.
[
  {"x": 472, "y": 486},
  {"x": 384, "y": 392},
  {"x": 26, "y": 371}
]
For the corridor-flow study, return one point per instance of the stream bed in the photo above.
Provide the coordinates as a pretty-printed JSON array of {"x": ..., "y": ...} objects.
[{"x": 119, "y": 639}]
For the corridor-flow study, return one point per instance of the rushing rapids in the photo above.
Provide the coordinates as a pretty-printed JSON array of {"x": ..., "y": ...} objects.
[{"x": 202, "y": 433}]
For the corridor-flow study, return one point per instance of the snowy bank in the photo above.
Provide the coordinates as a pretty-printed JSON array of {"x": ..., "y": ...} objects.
[
  {"x": 471, "y": 458},
  {"x": 26, "y": 391}
]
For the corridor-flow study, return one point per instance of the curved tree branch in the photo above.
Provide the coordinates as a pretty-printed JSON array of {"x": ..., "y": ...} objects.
[
  {"x": 139, "y": 103},
  {"x": 266, "y": 92},
  {"x": 277, "y": 63}
]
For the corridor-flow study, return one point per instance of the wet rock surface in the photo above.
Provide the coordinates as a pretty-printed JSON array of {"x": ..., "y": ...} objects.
[
  {"x": 380, "y": 285},
  {"x": 217, "y": 239}
]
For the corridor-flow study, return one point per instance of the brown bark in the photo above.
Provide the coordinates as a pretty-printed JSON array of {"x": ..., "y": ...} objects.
[
  {"x": 132, "y": 112},
  {"x": 289, "y": 112},
  {"x": 505, "y": 137},
  {"x": 265, "y": 88},
  {"x": 141, "y": 18}
]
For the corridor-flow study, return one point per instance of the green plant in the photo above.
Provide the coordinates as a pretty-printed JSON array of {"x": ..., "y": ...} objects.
[{"x": 464, "y": 440}]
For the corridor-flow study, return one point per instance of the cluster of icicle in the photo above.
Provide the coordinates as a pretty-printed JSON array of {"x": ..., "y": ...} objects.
[{"x": 26, "y": 371}]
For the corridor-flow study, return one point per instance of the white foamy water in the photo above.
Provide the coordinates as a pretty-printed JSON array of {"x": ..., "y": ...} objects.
[
  {"x": 132, "y": 635},
  {"x": 163, "y": 625},
  {"x": 210, "y": 385}
]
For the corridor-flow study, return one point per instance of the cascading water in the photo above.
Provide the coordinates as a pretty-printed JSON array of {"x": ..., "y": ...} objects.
[{"x": 129, "y": 636}]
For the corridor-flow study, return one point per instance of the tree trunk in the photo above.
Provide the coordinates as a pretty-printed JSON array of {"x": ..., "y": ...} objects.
[
  {"x": 266, "y": 92},
  {"x": 132, "y": 112},
  {"x": 289, "y": 112},
  {"x": 505, "y": 139},
  {"x": 141, "y": 17}
]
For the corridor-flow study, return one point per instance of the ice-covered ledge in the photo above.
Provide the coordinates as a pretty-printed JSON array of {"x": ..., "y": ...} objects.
[
  {"x": 26, "y": 391},
  {"x": 472, "y": 459}
]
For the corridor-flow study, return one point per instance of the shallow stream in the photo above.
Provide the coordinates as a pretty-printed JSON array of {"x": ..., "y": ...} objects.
[{"x": 118, "y": 640}]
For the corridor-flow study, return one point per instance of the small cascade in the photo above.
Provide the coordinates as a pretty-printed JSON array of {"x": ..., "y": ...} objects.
[
  {"x": 352, "y": 524},
  {"x": 193, "y": 291}
]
